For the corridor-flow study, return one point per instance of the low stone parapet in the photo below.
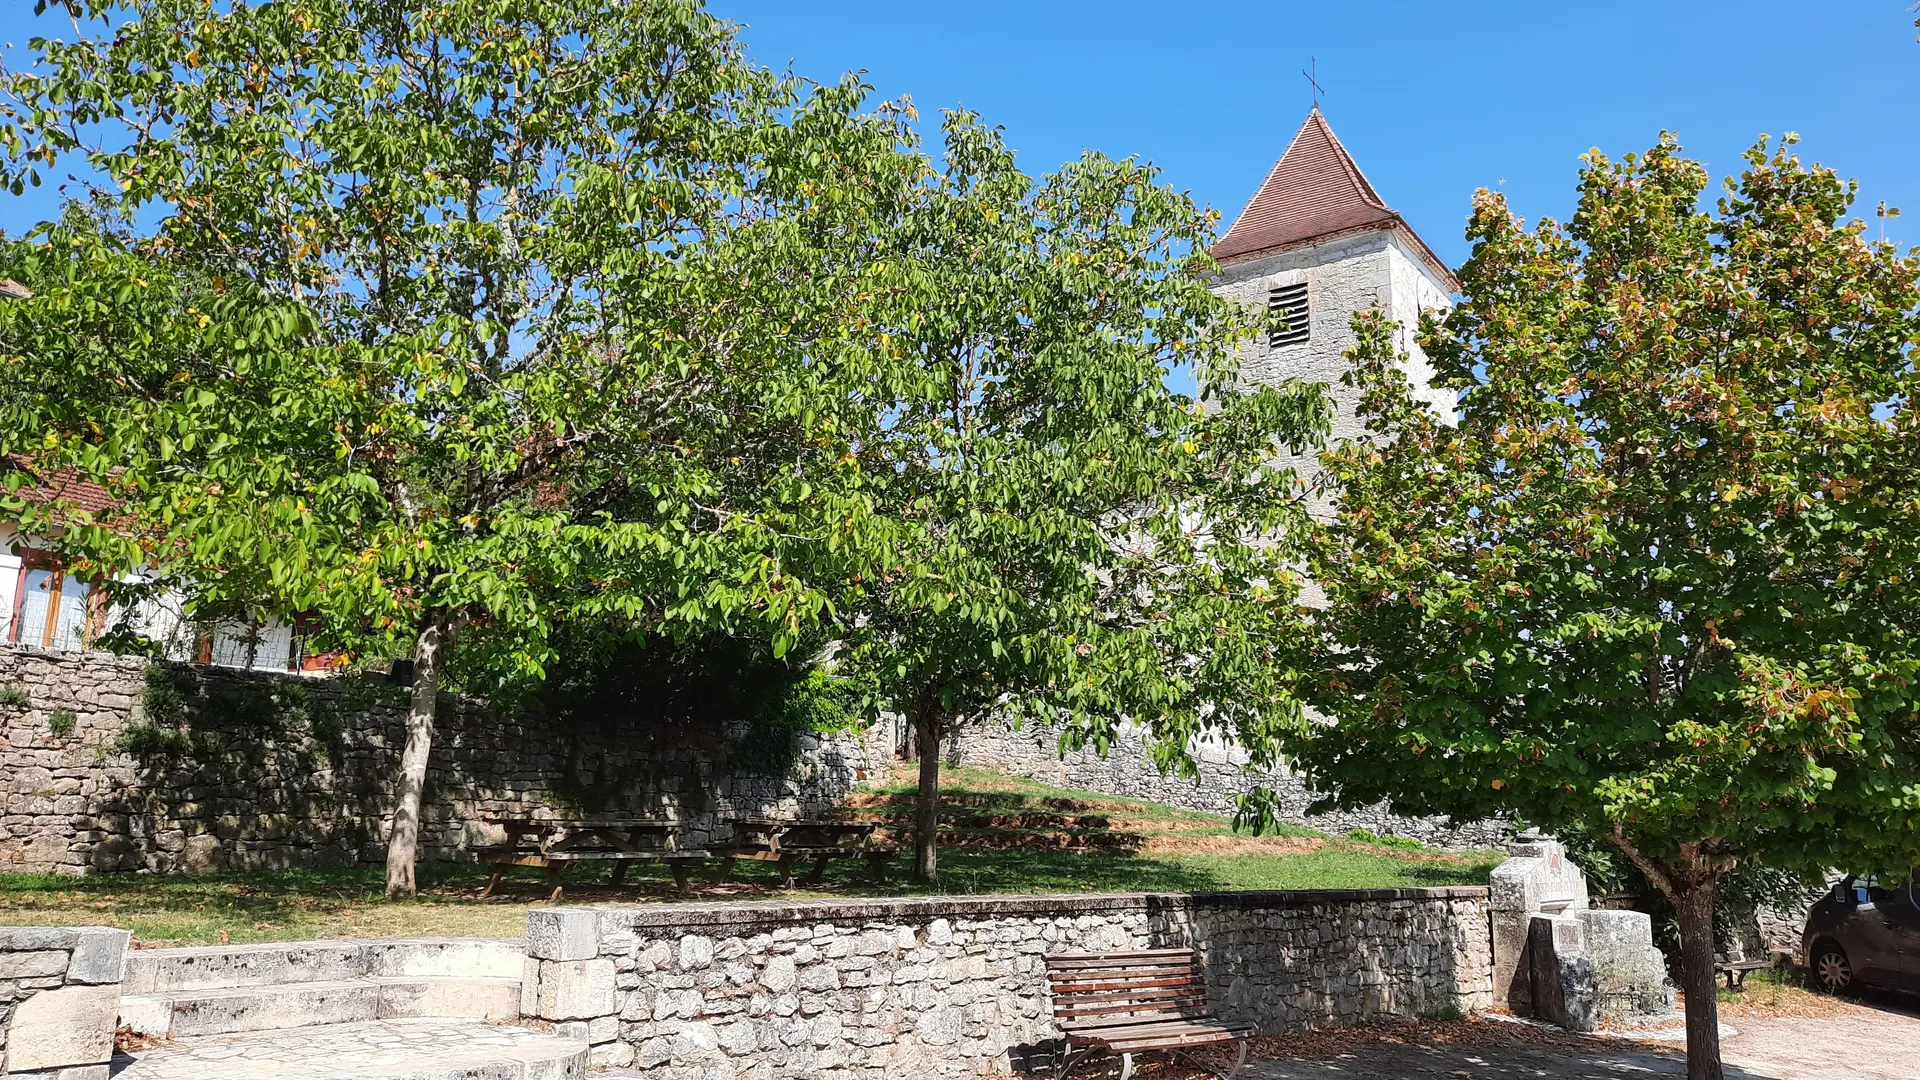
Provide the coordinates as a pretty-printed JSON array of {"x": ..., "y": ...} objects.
[
  {"x": 59, "y": 1000},
  {"x": 954, "y": 986}
]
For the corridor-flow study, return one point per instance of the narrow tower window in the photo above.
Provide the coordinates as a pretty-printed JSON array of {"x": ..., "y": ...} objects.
[{"x": 1287, "y": 306}]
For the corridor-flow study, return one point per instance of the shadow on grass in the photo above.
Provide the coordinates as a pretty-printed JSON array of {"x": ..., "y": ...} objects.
[{"x": 256, "y": 896}]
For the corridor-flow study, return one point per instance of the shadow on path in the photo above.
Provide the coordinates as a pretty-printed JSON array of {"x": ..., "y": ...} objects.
[{"x": 1601, "y": 1060}]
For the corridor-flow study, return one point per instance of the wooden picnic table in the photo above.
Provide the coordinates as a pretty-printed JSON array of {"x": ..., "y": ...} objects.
[
  {"x": 787, "y": 841},
  {"x": 554, "y": 843}
]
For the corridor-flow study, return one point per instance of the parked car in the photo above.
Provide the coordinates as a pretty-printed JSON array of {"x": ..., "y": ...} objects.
[{"x": 1866, "y": 931}]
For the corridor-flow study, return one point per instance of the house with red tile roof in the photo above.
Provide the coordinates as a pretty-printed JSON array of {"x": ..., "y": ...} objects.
[{"x": 45, "y": 604}]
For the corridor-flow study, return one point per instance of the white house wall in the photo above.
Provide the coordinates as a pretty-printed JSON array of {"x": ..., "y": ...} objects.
[
  {"x": 160, "y": 619},
  {"x": 9, "y": 580}
]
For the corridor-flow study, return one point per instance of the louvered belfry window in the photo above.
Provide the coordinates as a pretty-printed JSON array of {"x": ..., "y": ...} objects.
[{"x": 1287, "y": 305}]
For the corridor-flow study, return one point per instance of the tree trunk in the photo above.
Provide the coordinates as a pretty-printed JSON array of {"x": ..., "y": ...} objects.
[
  {"x": 1693, "y": 897},
  {"x": 403, "y": 840},
  {"x": 926, "y": 818}
]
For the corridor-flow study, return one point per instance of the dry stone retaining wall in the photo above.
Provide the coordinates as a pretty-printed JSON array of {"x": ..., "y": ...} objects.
[
  {"x": 955, "y": 987},
  {"x": 59, "y": 996},
  {"x": 290, "y": 770},
  {"x": 1127, "y": 771}
]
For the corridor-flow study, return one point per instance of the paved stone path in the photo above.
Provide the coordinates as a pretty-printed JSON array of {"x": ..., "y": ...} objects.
[
  {"x": 418, "y": 1049},
  {"x": 1877, "y": 1039}
]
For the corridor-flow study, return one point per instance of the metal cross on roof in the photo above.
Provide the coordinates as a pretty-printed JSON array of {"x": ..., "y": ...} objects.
[{"x": 1313, "y": 80}]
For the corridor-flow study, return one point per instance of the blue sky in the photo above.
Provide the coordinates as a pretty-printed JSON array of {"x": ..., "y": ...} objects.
[{"x": 1434, "y": 99}]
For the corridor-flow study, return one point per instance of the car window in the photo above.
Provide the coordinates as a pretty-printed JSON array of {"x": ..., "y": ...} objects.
[{"x": 1868, "y": 890}]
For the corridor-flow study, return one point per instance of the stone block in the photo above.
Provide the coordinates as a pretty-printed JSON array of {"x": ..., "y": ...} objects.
[
  {"x": 696, "y": 952},
  {"x": 33, "y": 965},
  {"x": 258, "y": 1008},
  {"x": 99, "y": 955},
  {"x": 489, "y": 999},
  {"x": 453, "y": 958},
  {"x": 530, "y": 986},
  {"x": 59, "y": 1028},
  {"x": 202, "y": 854},
  {"x": 576, "y": 989},
  {"x": 563, "y": 933},
  {"x": 779, "y": 974},
  {"x": 28, "y": 938},
  {"x": 71, "y": 1072},
  {"x": 147, "y": 1015}
]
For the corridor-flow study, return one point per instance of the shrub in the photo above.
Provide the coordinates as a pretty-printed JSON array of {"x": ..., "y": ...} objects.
[
  {"x": 61, "y": 722},
  {"x": 13, "y": 696},
  {"x": 1368, "y": 836}
]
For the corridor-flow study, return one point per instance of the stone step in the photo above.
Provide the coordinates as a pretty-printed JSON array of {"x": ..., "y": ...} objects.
[
  {"x": 160, "y": 971},
  {"x": 226, "y": 1009},
  {"x": 417, "y": 1049}
]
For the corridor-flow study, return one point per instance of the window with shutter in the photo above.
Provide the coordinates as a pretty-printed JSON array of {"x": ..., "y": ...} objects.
[{"x": 1287, "y": 305}]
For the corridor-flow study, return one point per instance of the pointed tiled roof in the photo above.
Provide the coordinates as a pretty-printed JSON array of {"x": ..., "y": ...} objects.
[{"x": 1315, "y": 190}]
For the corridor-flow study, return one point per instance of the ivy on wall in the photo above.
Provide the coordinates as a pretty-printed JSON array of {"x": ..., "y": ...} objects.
[
  {"x": 189, "y": 721},
  {"x": 727, "y": 702}
]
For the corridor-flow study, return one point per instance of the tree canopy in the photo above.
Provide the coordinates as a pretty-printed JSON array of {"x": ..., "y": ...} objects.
[
  {"x": 1048, "y": 532},
  {"x": 1659, "y": 579},
  {"x": 436, "y": 321},
  {"x": 455, "y": 326}
]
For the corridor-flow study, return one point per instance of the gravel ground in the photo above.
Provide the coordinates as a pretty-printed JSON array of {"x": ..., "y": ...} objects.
[{"x": 1810, "y": 1039}]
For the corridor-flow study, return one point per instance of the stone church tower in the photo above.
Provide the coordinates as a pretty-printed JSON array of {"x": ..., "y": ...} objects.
[{"x": 1317, "y": 243}]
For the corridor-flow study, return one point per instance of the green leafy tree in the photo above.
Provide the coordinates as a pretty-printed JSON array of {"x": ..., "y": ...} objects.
[
  {"x": 430, "y": 319},
  {"x": 1658, "y": 582},
  {"x": 1044, "y": 530}
]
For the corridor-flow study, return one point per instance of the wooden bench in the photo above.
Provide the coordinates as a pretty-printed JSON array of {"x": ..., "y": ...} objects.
[
  {"x": 1128, "y": 1003},
  {"x": 553, "y": 844},
  {"x": 1736, "y": 971},
  {"x": 788, "y": 842}
]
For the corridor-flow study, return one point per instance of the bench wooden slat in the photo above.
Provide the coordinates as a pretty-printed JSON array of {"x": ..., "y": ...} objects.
[
  {"x": 1136, "y": 1009},
  {"x": 1181, "y": 1015},
  {"x": 1141, "y": 994},
  {"x": 1122, "y": 954},
  {"x": 1196, "y": 1027},
  {"x": 1115, "y": 991},
  {"x": 629, "y": 856},
  {"x": 1091, "y": 983},
  {"x": 1120, "y": 964},
  {"x": 1141, "y": 971},
  {"x": 1163, "y": 956},
  {"x": 1134, "y": 1046},
  {"x": 1158, "y": 971},
  {"x": 1110, "y": 992},
  {"x": 538, "y": 858},
  {"x": 1186, "y": 1023}
]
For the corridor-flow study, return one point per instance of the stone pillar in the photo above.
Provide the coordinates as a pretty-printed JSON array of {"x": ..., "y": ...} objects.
[
  {"x": 1537, "y": 878},
  {"x": 1556, "y": 958},
  {"x": 568, "y": 983},
  {"x": 59, "y": 1000}
]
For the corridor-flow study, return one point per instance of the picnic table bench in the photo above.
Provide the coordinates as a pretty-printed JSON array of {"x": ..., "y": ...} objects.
[
  {"x": 1128, "y": 1003},
  {"x": 1736, "y": 971},
  {"x": 787, "y": 842},
  {"x": 554, "y": 843}
]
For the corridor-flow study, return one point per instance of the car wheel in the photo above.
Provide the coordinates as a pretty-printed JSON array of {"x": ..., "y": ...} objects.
[{"x": 1830, "y": 969}]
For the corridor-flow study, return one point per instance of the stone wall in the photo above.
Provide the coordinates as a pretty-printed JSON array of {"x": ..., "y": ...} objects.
[
  {"x": 955, "y": 987},
  {"x": 1127, "y": 771},
  {"x": 59, "y": 997},
  {"x": 286, "y": 770}
]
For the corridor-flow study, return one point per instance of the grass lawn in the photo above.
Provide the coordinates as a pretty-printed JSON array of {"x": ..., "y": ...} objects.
[{"x": 999, "y": 835}]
